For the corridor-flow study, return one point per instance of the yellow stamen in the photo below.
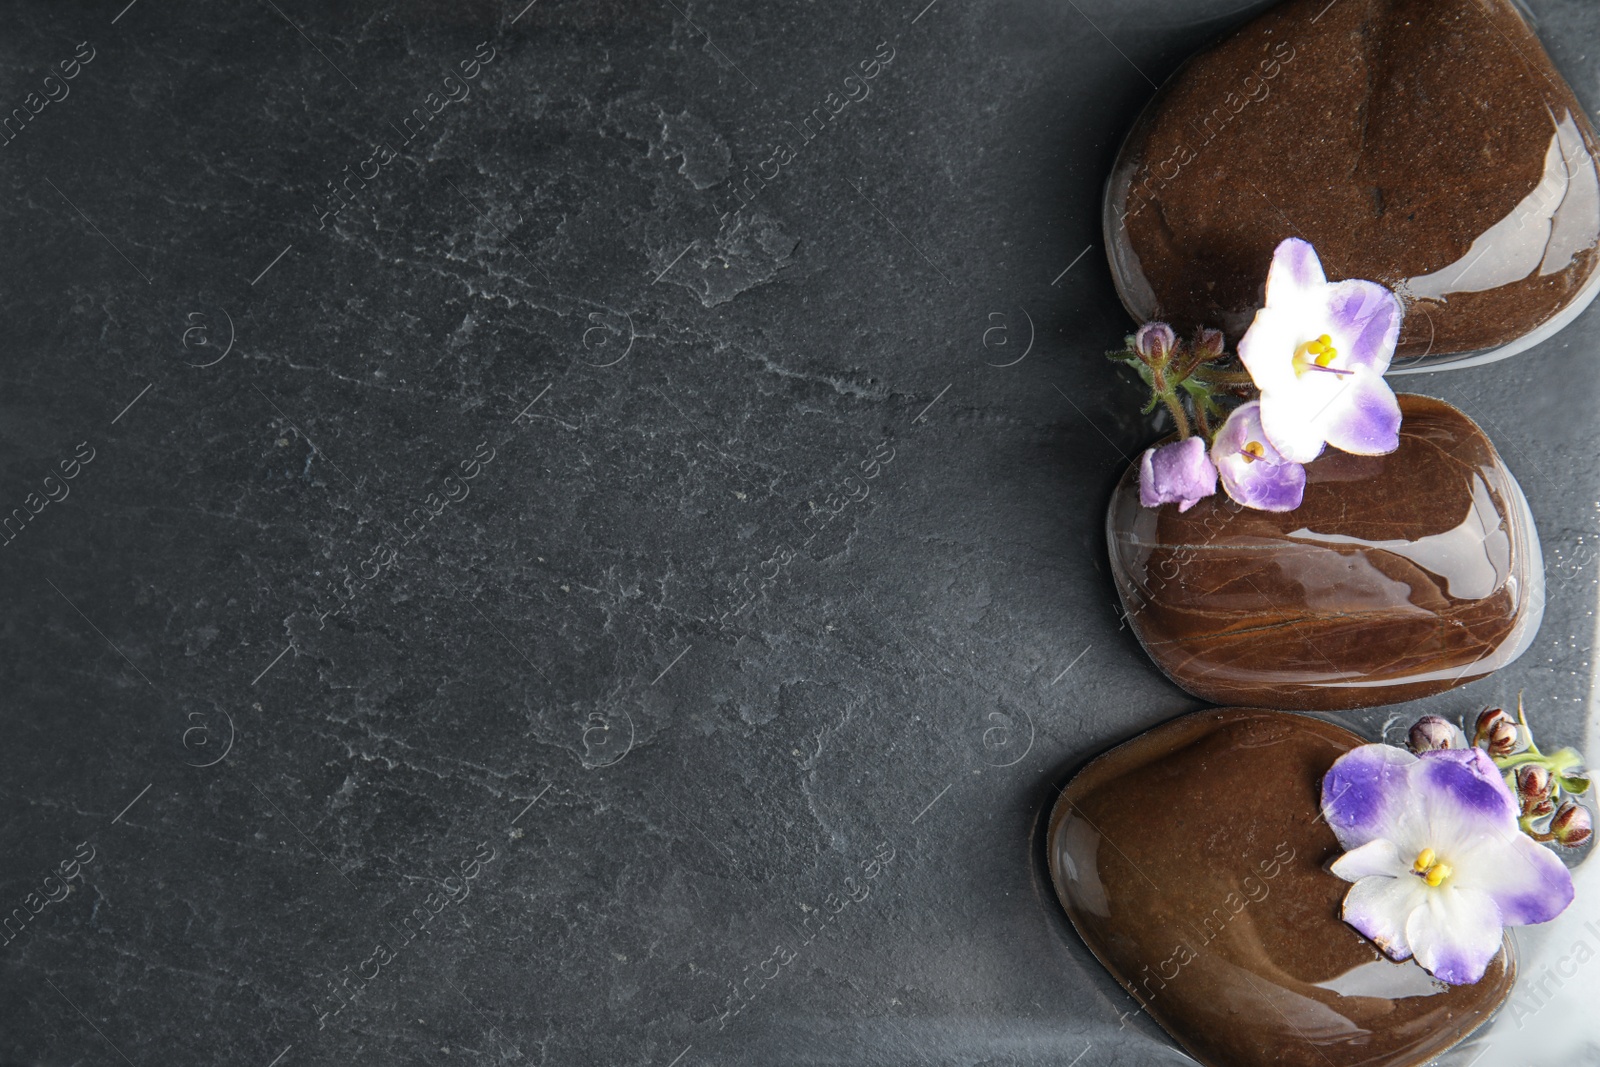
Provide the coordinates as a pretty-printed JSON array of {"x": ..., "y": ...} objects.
[
  {"x": 1253, "y": 451},
  {"x": 1429, "y": 869},
  {"x": 1318, "y": 353}
]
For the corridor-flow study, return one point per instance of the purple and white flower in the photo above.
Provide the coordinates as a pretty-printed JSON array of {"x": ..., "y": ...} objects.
[
  {"x": 1318, "y": 351},
  {"x": 1178, "y": 473},
  {"x": 1439, "y": 862},
  {"x": 1252, "y": 471}
]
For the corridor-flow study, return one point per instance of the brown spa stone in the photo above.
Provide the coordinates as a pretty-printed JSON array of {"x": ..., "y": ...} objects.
[
  {"x": 1426, "y": 144},
  {"x": 1191, "y": 861},
  {"x": 1399, "y": 576}
]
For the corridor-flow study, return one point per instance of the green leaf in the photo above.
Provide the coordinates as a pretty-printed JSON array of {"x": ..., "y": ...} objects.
[
  {"x": 1577, "y": 785},
  {"x": 1200, "y": 393},
  {"x": 1196, "y": 389}
]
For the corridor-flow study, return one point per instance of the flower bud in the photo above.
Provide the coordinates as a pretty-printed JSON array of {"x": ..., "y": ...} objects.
[
  {"x": 1432, "y": 732},
  {"x": 1501, "y": 734},
  {"x": 1572, "y": 825},
  {"x": 1504, "y": 738},
  {"x": 1533, "y": 783},
  {"x": 1487, "y": 719},
  {"x": 1538, "y": 807},
  {"x": 1154, "y": 342},
  {"x": 1209, "y": 344}
]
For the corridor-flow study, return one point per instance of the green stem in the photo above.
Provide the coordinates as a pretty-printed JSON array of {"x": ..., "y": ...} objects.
[
  {"x": 1190, "y": 364},
  {"x": 1213, "y": 376},
  {"x": 1169, "y": 397},
  {"x": 1176, "y": 408},
  {"x": 1526, "y": 823},
  {"x": 1521, "y": 759}
]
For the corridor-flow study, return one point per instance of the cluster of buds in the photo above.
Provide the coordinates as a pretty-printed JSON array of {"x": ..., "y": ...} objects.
[
  {"x": 1182, "y": 376},
  {"x": 1545, "y": 785}
]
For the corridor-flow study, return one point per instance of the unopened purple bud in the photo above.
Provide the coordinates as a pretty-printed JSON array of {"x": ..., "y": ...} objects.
[
  {"x": 1572, "y": 825},
  {"x": 1431, "y": 732},
  {"x": 1154, "y": 342},
  {"x": 1209, "y": 343}
]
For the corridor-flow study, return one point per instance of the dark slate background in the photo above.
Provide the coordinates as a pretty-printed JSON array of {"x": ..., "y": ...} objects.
[{"x": 677, "y": 664}]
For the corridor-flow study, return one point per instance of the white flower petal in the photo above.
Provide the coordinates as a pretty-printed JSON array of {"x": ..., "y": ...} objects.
[
  {"x": 1296, "y": 272},
  {"x": 1380, "y": 857},
  {"x": 1289, "y": 420},
  {"x": 1380, "y": 907},
  {"x": 1455, "y": 933},
  {"x": 1267, "y": 348},
  {"x": 1528, "y": 882}
]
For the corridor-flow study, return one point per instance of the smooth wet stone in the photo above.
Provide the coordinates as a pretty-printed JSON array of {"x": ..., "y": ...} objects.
[
  {"x": 1426, "y": 144},
  {"x": 1191, "y": 861},
  {"x": 1399, "y": 576}
]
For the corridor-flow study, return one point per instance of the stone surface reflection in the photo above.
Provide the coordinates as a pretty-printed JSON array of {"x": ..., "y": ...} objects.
[
  {"x": 1191, "y": 861},
  {"x": 1466, "y": 182},
  {"x": 1398, "y": 577}
]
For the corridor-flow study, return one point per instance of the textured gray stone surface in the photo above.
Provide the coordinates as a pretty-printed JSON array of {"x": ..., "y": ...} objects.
[{"x": 742, "y": 669}]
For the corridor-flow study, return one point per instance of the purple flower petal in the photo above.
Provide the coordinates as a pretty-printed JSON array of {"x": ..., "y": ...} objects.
[
  {"x": 1455, "y": 933},
  {"x": 1264, "y": 486},
  {"x": 1364, "y": 322},
  {"x": 1528, "y": 882},
  {"x": 1380, "y": 907},
  {"x": 1179, "y": 473},
  {"x": 1242, "y": 427},
  {"x": 1264, "y": 481},
  {"x": 1295, "y": 266},
  {"x": 1464, "y": 786},
  {"x": 1367, "y": 793},
  {"x": 1365, "y": 420}
]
